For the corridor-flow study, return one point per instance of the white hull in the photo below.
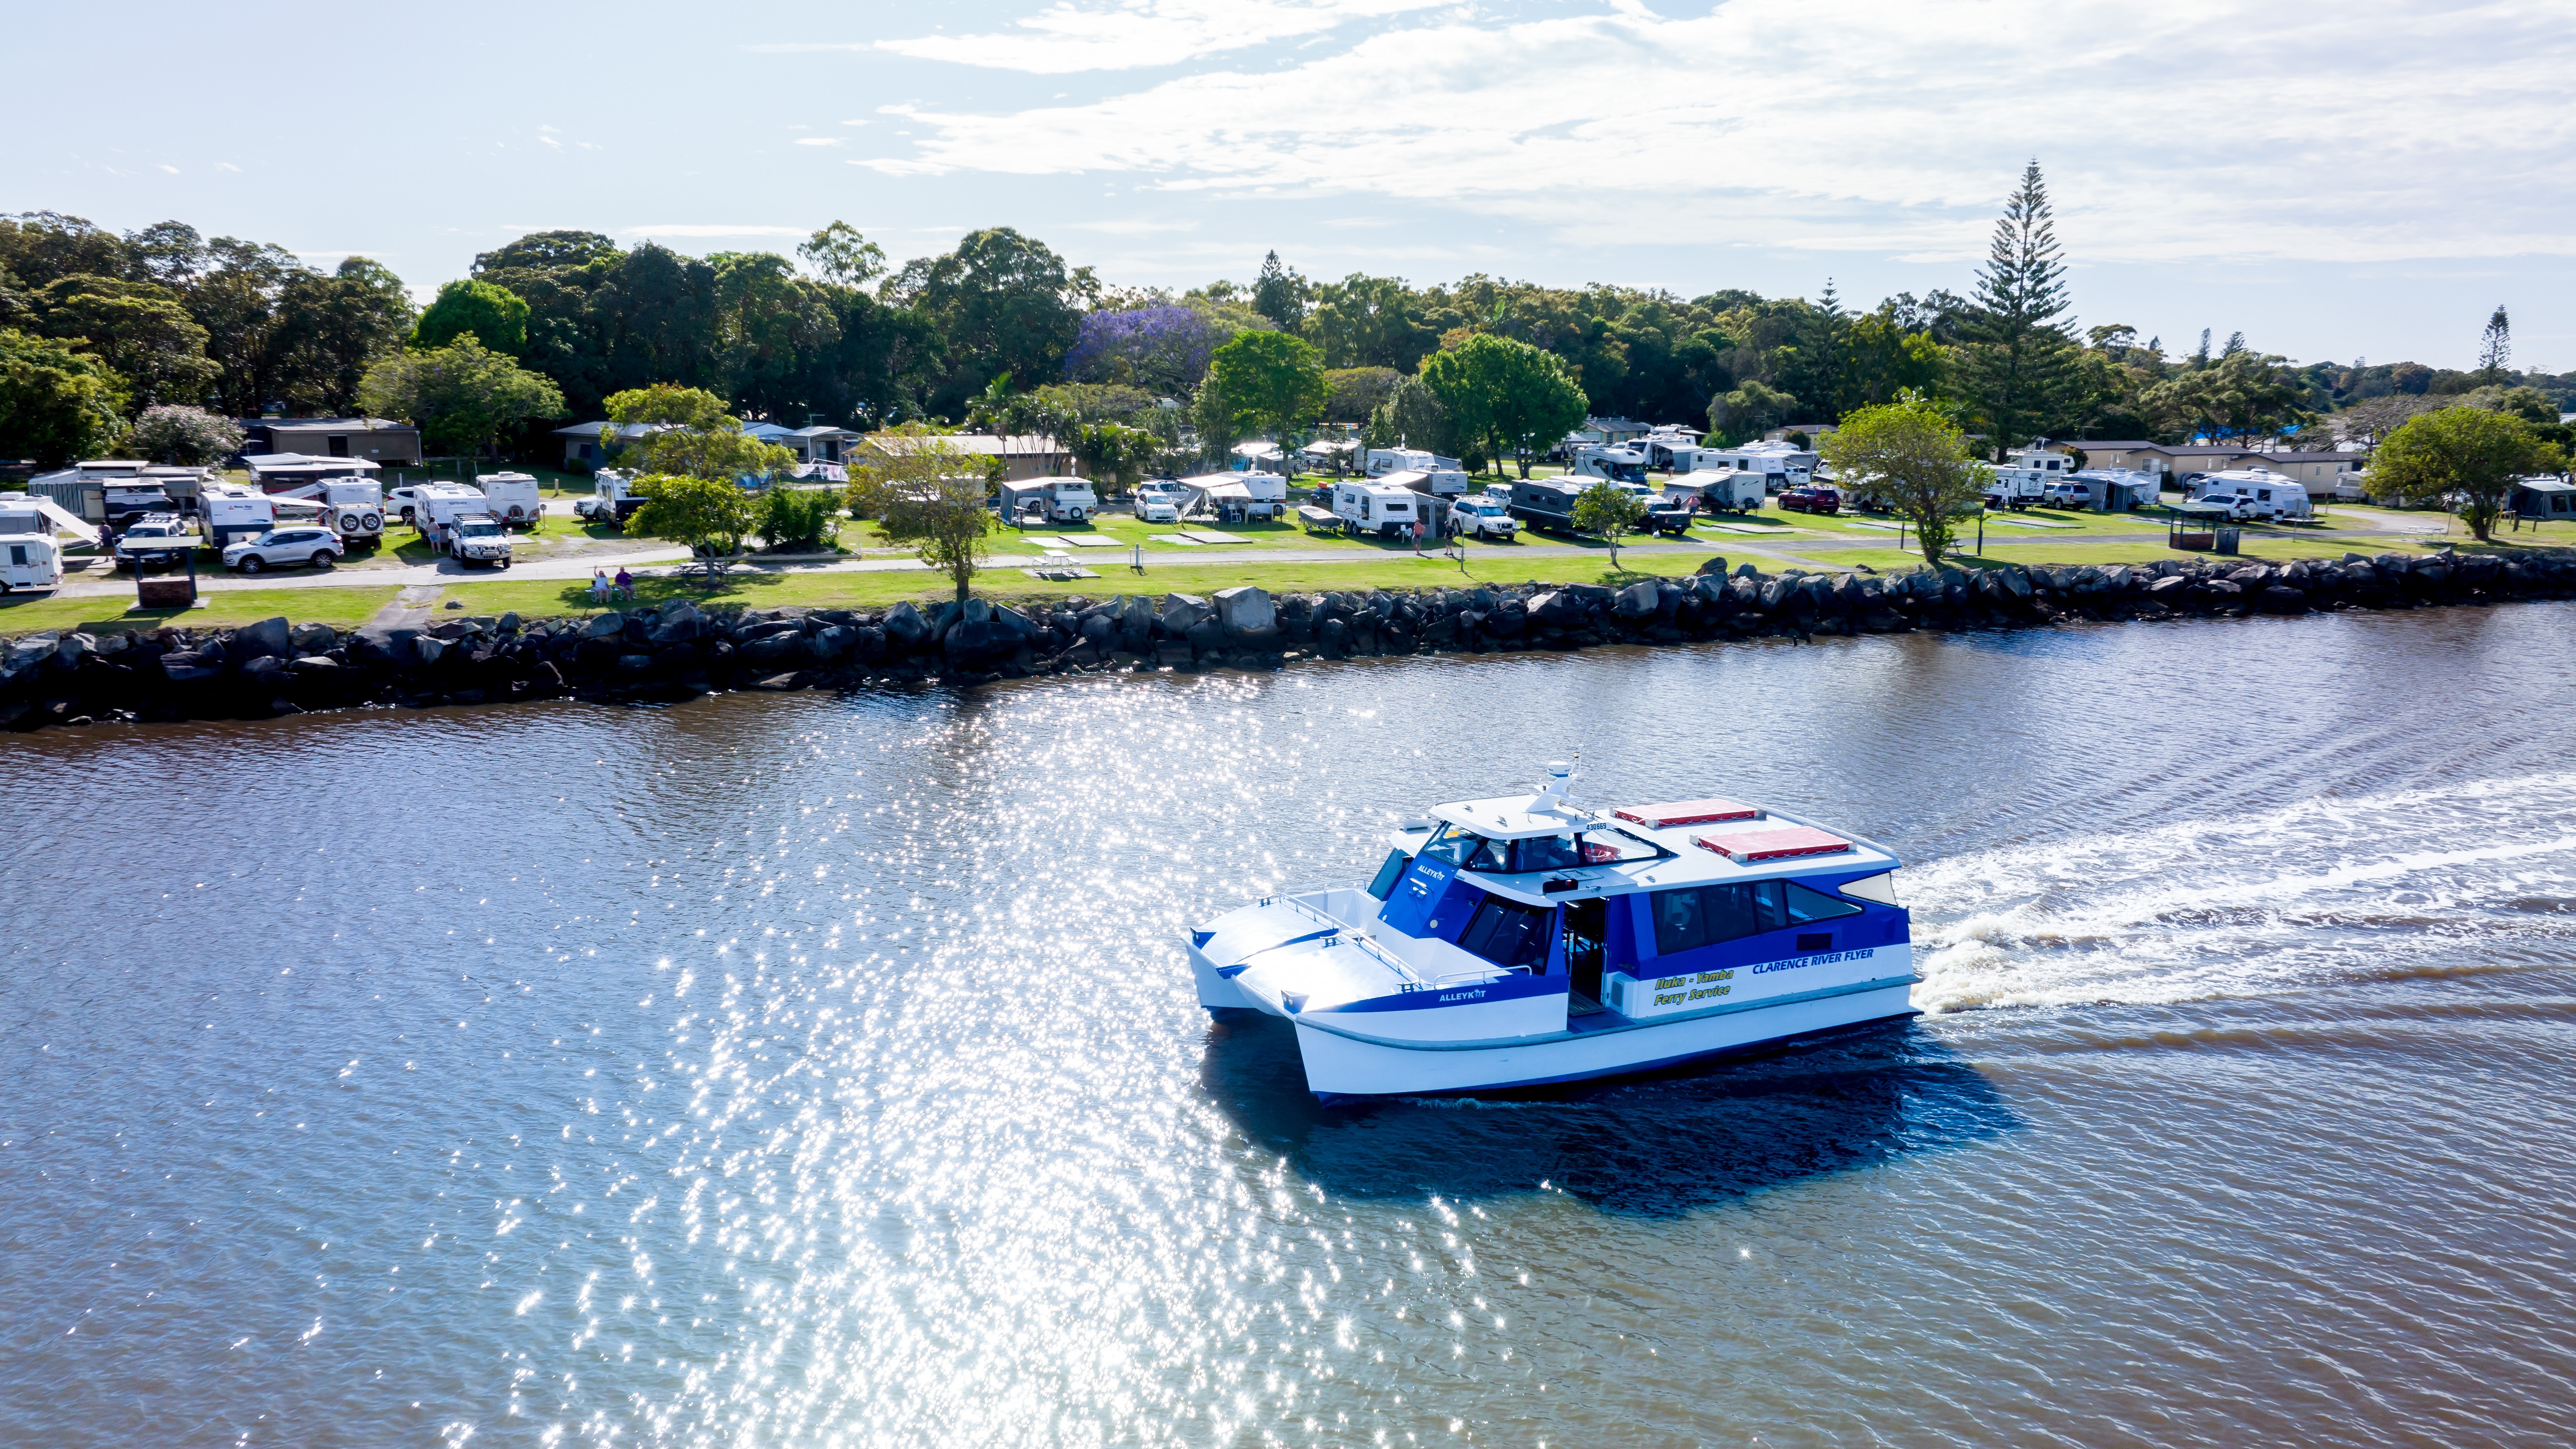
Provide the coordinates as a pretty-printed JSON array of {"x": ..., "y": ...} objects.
[{"x": 1343, "y": 1064}]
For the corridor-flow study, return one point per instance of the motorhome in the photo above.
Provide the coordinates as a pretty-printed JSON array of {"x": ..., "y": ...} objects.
[
  {"x": 30, "y": 561},
  {"x": 1717, "y": 490},
  {"x": 1619, "y": 465},
  {"x": 228, "y": 511},
  {"x": 1373, "y": 505},
  {"x": 512, "y": 498},
  {"x": 2025, "y": 476}
]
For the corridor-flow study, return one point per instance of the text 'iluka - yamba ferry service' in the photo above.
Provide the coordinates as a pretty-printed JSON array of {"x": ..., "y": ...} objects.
[{"x": 1530, "y": 939}]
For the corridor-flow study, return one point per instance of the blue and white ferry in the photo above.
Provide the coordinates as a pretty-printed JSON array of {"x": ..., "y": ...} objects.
[{"x": 1530, "y": 939}]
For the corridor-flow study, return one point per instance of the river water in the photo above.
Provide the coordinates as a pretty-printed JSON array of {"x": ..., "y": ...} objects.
[{"x": 802, "y": 1069}]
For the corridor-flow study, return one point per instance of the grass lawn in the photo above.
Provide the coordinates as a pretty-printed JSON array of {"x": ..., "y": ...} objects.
[
  {"x": 877, "y": 590},
  {"x": 338, "y": 607},
  {"x": 2272, "y": 548}
]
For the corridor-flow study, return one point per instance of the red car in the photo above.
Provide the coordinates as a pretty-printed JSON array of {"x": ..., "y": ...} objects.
[{"x": 1812, "y": 499}]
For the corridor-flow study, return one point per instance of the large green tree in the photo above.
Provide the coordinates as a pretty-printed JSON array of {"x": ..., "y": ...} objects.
[
  {"x": 2017, "y": 367},
  {"x": 56, "y": 405},
  {"x": 1272, "y": 383},
  {"x": 1910, "y": 454},
  {"x": 693, "y": 436},
  {"x": 2463, "y": 458},
  {"x": 140, "y": 329},
  {"x": 928, "y": 493},
  {"x": 494, "y": 316},
  {"x": 1519, "y": 399},
  {"x": 462, "y": 397},
  {"x": 1004, "y": 302},
  {"x": 2245, "y": 396}
]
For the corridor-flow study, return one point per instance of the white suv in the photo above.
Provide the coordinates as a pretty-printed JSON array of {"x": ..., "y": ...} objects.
[
  {"x": 284, "y": 548},
  {"x": 1160, "y": 502},
  {"x": 474, "y": 538},
  {"x": 1483, "y": 515}
]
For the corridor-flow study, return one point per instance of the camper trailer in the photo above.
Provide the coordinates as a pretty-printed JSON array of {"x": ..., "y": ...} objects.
[
  {"x": 1780, "y": 465},
  {"x": 353, "y": 508},
  {"x": 511, "y": 498},
  {"x": 1378, "y": 462},
  {"x": 1618, "y": 465},
  {"x": 1234, "y": 497}
]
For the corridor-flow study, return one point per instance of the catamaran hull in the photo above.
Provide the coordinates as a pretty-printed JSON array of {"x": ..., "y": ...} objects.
[{"x": 1339, "y": 1063}]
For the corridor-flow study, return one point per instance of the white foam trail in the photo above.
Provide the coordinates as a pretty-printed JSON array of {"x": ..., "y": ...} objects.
[{"x": 2324, "y": 890}]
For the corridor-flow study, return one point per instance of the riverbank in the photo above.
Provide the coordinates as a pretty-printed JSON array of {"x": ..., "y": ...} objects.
[{"x": 676, "y": 650}]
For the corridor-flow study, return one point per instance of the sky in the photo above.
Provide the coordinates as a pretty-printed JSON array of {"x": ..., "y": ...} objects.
[{"x": 2363, "y": 180}]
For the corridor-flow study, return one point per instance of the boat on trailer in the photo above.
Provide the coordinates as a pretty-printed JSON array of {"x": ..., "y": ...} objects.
[{"x": 1531, "y": 939}]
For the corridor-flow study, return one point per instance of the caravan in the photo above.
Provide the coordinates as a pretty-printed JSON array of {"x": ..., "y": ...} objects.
[
  {"x": 1388, "y": 510},
  {"x": 511, "y": 498},
  {"x": 30, "y": 561},
  {"x": 2257, "y": 493},
  {"x": 1717, "y": 490},
  {"x": 227, "y": 511}
]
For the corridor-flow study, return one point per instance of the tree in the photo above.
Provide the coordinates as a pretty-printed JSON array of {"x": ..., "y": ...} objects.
[
  {"x": 710, "y": 515},
  {"x": 1279, "y": 294},
  {"x": 2244, "y": 395},
  {"x": 1609, "y": 510},
  {"x": 1112, "y": 454},
  {"x": 930, "y": 494},
  {"x": 462, "y": 396},
  {"x": 187, "y": 437},
  {"x": 1744, "y": 413},
  {"x": 1422, "y": 421},
  {"x": 139, "y": 329},
  {"x": 2495, "y": 347},
  {"x": 1356, "y": 393},
  {"x": 495, "y": 316},
  {"x": 1364, "y": 321},
  {"x": 331, "y": 328},
  {"x": 692, "y": 435},
  {"x": 2463, "y": 458},
  {"x": 56, "y": 405},
  {"x": 1909, "y": 454},
  {"x": 1273, "y": 383},
  {"x": 1005, "y": 303},
  {"x": 1520, "y": 400},
  {"x": 1217, "y": 422},
  {"x": 1381, "y": 430},
  {"x": 2018, "y": 362},
  {"x": 843, "y": 257},
  {"x": 1164, "y": 350}
]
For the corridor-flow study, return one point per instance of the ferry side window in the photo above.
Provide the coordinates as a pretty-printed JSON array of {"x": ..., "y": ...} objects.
[
  {"x": 1488, "y": 855},
  {"x": 1679, "y": 923},
  {"x": 1507, "y": 933},
  {"x": 1805, "y": 904}
]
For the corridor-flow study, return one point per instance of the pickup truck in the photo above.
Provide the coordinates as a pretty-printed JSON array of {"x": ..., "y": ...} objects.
[{"x": 145, "y": 545}]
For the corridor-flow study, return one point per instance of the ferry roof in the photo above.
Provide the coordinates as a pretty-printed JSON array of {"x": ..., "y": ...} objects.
[{"x": 1710, "y": 841}]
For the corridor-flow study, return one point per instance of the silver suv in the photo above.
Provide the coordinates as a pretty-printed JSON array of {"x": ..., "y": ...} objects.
[{"x": 284, "y": 548}]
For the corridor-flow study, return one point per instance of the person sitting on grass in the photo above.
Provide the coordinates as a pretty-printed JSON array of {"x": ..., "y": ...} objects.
[
  {"x": 625, "y": 584},
  {"x": 599, "y": 586}
]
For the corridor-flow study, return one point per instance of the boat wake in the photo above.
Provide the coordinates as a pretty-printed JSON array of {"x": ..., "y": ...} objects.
[{"x": 2327, "y": 891}]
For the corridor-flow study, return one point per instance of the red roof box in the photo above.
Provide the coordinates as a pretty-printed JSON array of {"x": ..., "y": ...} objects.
[
  {"x": 1687, "y": 812},
  {"x": 1756, "y": 846}
]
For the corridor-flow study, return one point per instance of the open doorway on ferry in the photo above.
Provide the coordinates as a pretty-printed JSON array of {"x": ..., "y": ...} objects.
[{"x": 1585, "y": 924}]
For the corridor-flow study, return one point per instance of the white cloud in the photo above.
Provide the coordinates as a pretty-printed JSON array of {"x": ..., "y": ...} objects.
[
  {"x": 1086, "y": 35},
  {"x": 818, "y": 140},
  {"x": 226, "y": 166},
  {"x": 166, "y": 166},
  {"x": 716, "y": 229},
  {"x": 2379, "y": 130}
]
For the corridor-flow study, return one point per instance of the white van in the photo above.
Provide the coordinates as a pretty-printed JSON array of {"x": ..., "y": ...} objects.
[
  {"x": 2265, "y": 494},
  {"x": 30, "y": 561},
  {"x": 512, "y": 498},
  {"x": 227, "y": 511}
]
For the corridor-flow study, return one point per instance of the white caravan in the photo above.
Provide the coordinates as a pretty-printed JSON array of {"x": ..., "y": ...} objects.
[
  {"x": 1375, "y": 506},
  {"x": 30, "y": 561},
  {"x": 512, "y": 498},
  {"x": 1378, "y": 462},
  {"x": 2266, "y": 494},
  {"x": 612, "y": 498},
  {"x": 227, "y": 511},
  {"x": 353, "y": 508},
  {"x": 1782, "y": 466},
  {"x": 1065, "y": 500},
  {"x": 1718, "y": 490}
]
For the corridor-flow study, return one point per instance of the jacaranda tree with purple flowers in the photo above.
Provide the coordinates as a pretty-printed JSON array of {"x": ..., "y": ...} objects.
[{"x": 1164, "y": 350}]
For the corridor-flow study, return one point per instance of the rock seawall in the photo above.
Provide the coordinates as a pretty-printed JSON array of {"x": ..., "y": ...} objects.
[{"x": 677, "y": 651}]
